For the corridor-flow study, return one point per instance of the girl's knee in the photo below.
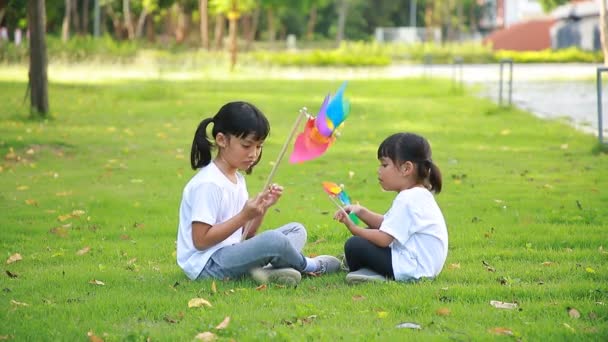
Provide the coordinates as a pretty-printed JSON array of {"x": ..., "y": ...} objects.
[
  {"x": 354, "y": 242},
  {"x": 274, "y": 241}
]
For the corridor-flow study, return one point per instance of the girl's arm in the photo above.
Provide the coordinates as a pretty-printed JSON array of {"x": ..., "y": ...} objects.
[
  {"x": 371, "y": 219},
  {"x": 375, "y": 236},
  {"x": 205, "y": 235}
]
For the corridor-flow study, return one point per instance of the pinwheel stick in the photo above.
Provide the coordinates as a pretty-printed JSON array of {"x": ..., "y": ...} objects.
[
  {"x": 303, "y": 113},
  {"x": 337, "y": 204}
]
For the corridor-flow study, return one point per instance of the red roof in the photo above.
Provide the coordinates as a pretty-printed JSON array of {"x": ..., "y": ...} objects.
[{"x": 525, "y": 36}]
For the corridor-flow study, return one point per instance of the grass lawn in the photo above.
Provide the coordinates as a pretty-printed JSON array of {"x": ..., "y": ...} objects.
[{"x": 89, "y": 200}]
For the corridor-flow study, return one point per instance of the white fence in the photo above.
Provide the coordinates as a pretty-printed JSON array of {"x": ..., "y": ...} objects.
[{"x": 407, "y": 34}]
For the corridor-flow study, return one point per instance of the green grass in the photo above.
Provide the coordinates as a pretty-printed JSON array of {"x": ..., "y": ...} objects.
[{"x": 524, "y": 196}]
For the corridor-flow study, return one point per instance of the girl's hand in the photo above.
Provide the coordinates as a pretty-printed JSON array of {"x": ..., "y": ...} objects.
[
  {"x": 343, "y": 217},
  {"x": 354, "y": 208},
  {"x": 254, "y": 207},
  {"x": 272, "y": 195}
]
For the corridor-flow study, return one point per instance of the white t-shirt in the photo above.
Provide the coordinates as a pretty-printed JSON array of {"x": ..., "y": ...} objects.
[
  {"x": 421, "y": 237},
  {"x": 209, "y": 197}
]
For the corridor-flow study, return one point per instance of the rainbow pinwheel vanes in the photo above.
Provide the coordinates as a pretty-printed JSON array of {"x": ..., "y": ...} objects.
[{"x": 321, "y": 131}]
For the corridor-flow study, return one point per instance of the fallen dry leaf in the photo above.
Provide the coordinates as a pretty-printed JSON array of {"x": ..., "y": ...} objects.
[
  {"x": 261, "y": 287},
  {"x": 61, "y": 231},
  {"x": 454, "y": 266},
  {"x": 501, "y": 331},
  {"x": 198, "y": 302},
  {"x": 77, "y": 213},
  {"x": 11, "y": 274},
  {"x": 443, "y": 312},
  {"x": 62, "y": 218},
  {"x": 14, "y": 302},
  {"x": 31, "y": 202},
  {"x": 14, "y": 258},
  {"x": 97, "y": 282},
  {"x": 84, "y": 251},
  {"x": 503, "y": 305},
  {"x": 223, "y": 324},
  {"x": 408, "y": 325},
  {"x": 572, "y": 312},
  {"x": 358, "y": 297},
  {"x": 206, "y": 336},
  {"x": 93, "y": 337},
  {"x": 213, "y": 287}
]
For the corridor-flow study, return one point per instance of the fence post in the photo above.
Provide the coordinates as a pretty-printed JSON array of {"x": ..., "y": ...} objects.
[
  {"x": 600, "y": 115},
  {"x": 428, "y": 63},
  {"x": 457, "y": 71},
  {"x": 502, "y": 62}
]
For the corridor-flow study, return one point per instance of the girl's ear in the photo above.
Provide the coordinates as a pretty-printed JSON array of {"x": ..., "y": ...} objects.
[
  {"x": 221, "y": 140},
  {"x": 407, "y": 168}
]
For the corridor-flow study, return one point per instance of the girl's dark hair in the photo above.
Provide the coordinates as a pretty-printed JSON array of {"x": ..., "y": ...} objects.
[
  {"x": 402, "y": 147},
  {"x": 238, "y": 119}
]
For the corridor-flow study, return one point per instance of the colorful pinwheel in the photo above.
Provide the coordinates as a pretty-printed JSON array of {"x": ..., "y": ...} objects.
[
  {"x": 320, "y": 131},
  {"x": 336, "y": 191}
]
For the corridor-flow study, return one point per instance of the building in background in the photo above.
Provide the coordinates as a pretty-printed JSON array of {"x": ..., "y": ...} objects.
[
  {"x": 521, "y": 25},
  {"x": 500, "y": 14},
  {"x": 577, "y": 24}
]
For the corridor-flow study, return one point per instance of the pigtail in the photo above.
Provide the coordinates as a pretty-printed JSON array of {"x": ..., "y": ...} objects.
[
  {"x": 200, "y": 154},
  {"x": 434, "y": 178}
]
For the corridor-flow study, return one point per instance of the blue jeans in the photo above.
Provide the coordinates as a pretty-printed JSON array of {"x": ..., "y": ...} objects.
[{"x": 280, "y": 247}]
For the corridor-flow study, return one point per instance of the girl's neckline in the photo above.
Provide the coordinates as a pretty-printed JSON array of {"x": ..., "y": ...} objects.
[{"x": 225, "y": 174}]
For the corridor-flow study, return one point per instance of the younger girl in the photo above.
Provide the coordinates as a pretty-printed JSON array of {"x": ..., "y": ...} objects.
[
  {"x": 215, "y": 207},
  {"x": 410, "y": 241}
]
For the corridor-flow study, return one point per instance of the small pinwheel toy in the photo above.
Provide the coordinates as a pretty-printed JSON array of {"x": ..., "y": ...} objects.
[
  {"x": 320, "y": 131},
  {"x": 336, "y": 191}
]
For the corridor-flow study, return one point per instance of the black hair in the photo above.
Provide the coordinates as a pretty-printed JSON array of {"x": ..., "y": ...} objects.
[
  {"x": 239, "y": 119},
  {"x": 403, "y": 147}
]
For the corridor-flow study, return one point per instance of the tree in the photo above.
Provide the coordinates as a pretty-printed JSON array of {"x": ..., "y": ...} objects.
[
  {"x": 38, "y": 80},
  {"x": 233, "y": 9},
  {"x": 203, "y": 6},
  {"x": 342, "y": 8}
]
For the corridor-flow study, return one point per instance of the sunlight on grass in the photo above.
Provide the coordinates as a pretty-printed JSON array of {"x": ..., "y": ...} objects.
[{"x": 89, "y": 201}]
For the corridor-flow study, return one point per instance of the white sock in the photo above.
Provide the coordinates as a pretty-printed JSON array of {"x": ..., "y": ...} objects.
[{"x": 311, "y": 265}]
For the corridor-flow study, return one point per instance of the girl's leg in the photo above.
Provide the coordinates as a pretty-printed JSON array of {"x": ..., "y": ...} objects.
[
  {"x": 296, "y": 233},
  {"x": 361, "y": 253},
  {"x": 235, "y": 261}
]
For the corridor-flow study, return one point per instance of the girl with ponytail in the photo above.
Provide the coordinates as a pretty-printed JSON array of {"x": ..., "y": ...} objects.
[
  {"x": 215, "y": 207},
  {"x": 410, "y": 241}
]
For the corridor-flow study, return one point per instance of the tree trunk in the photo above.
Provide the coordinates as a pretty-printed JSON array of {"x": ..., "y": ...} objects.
[
  {"x": 460, "y": 21},
  {"x": 204, "y": 26},
  {"x": 342, "y": 9},
  {"x": 218, "y": 34},
  {"x": 85, "y": 17},
  {"x": 141, "y": 22},
  {"x": 255, "y": 20},
  {"x": 233, "y": 27},
  {"x": 604, "y": 30},
  {"x": 39, "y": 100},
  {"x": 312, "y": 21},
  {"x": 76, "y": 24},
  {"x": 118, "y": 31},
  {"x": 272, "y": 31},
  {"x": 65, "y": 27},
  {"x": 126, "y": 10},
  {"x": 150, "y": 33}
]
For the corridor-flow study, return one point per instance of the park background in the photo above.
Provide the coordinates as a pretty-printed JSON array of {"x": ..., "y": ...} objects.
[{"x": 96, "y": 122}]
